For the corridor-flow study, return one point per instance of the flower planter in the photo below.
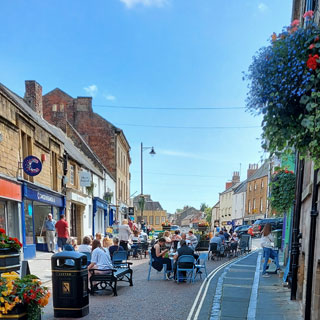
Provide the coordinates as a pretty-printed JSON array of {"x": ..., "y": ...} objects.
[
  {"x": 18, "y": 312},
  {"x": 9, "y": 260},
  {"x": 202, "y": 228},
  {"x": 164, "y": 228}
]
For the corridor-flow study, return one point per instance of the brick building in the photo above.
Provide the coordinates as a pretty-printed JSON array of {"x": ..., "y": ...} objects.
[
  {"x": 107, "y": 141},
  {"x": 257, "y": 194}
]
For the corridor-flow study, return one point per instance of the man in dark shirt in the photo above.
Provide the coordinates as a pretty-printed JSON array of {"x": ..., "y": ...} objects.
[{"x": 184, "y": 250}]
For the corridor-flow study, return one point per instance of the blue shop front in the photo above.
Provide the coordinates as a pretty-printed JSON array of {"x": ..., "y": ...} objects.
[
  {"x": 100, "y": 216},
  {"x": 37, "y": 203}
]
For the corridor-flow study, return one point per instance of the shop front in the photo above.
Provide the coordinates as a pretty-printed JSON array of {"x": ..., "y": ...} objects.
[
  {"x": 36, "y": 205},
  {"x": 100, "y": 216},
  {"x": 237, "y": 222},
  {"x": 77, "y": 215},
  {"x": 10, "y": 202}
]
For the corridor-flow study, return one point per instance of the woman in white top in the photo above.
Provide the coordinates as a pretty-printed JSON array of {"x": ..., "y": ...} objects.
[
  {"x": 268, "y": 251},
  {"x": 124, "y": 234}
]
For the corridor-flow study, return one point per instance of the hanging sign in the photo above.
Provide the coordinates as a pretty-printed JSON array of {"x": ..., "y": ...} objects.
[
  {"x": 85, "y": 179},
  {"x": 32, "y": 166}
]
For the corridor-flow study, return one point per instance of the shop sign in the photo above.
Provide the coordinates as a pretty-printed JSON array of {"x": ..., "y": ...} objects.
[
  {"x": 75, "y": 197},
  {"x": 98, "y": 203},
  {"x": 10, "y": 190},
  {"x": 32, "y": 166},
  {"x": 41, "y": 196},
  {"x": 85, "y": 179}
]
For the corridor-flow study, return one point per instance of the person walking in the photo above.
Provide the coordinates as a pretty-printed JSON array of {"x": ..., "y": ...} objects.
[
  {"x": 50, "y": 232},
  {"x": 124, "y": 234},
  {"x": 62, "y": 228}
]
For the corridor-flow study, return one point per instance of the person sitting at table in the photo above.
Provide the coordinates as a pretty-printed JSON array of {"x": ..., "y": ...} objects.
[
  {"x": 184, "y": 250},
  {"x": 221, "y": 235},
  {"x": 217, "y": 239},
  {"x": 226, "y": 235},
  {"x": 158, "y": 255},
  {"x": 167, "y": 237},
  {"x": 115, "y": 247},
  {"x": 193, "y": 240},
  {"x": 107, "y": 242},
  {"x": 135, "y": 240},
  {"x": 176, "y": 239}
]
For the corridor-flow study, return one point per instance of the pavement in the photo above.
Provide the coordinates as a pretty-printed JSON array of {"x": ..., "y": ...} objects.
[{"x": 234, "y": 290}]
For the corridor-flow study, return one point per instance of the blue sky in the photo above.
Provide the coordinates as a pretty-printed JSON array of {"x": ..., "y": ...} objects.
[{"x": 153, "y": 54}]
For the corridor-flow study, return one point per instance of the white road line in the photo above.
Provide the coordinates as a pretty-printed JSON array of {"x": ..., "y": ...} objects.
[
  {"x": 207, "y": 283},
  {"x": 254, "y": 293},
  {"x": 208, "y": 279}
]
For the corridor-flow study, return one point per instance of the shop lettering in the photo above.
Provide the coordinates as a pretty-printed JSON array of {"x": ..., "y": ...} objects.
[
  {"x": 64, "y": 274},
  {"x": 46, "y": 197}
]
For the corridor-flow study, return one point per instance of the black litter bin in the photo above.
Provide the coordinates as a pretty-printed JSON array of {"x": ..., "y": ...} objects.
[{"x": 70, "y": 284}]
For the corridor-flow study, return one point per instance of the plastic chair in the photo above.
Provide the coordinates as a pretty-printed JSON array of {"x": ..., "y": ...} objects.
[
  {"x": 190, "y": 270},
  {"x": 150, "y": 266},
  {"x": 119, "y": 259},
  {"x": 214, "y": 251},
  {"x": 201, "y": 264}
]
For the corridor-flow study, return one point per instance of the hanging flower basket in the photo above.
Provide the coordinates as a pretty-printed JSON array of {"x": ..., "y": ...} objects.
[
  {"x": 284, "y": 87},
  {"x": 282, "y": 189}
]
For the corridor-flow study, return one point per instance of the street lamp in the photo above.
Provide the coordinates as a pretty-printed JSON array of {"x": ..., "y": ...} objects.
[{"x": 152, "y": 152}]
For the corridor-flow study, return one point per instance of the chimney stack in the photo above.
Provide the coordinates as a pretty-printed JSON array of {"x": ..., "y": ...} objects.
[
  {"x": 235, "y": 177},
  {"x": 251, "y": 170},
  {"x": 33, "y": 96},
  {"x": 228, "y": 185}
]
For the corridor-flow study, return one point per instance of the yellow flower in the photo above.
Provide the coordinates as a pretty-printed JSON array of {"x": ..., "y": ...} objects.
[{"x": 1, "y": 300}]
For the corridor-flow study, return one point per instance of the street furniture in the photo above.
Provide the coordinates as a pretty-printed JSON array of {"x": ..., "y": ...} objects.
[
  {"x": 186, "y": 264},
  {"x": 201, "y": 263},
  {"x": 70, "y": 284}
]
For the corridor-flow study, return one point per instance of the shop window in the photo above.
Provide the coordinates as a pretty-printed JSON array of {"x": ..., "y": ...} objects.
[
  {"x": 40, "y": 213},
  {"x": 145, "y": 219},
  {"x": 151, "y": 220},
  {"x": 72, "y": 174},
  {"x": 11, "y": 220},
  {"x": 28, "y": 213},
  {"x": 157, "y": 220},
  {"x": 54, "y": 170},
  {"x": 73, "y": 220},
  {"x": 26, "y": 144}
]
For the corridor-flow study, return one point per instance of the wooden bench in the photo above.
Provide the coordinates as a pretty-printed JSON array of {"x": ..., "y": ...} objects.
[{"x": 101, "y": 281}]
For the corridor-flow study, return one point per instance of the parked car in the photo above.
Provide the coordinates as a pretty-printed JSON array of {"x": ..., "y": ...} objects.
[
  {"x": 276, "y": 223},
  {"x": 240, "y": 230}
]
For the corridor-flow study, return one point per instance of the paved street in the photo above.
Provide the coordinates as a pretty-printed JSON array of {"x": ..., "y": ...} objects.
[{"x": 236, "y": 291}]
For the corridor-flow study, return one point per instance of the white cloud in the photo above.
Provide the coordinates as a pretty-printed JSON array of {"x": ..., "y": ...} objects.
[
  {"x": 110, "y": 97},
  {"x": 181, "y": 154},
  {"x": 262, "y": 7},
  {"x": 148, "y": 3},
  {"x": 91, "y": 90}
]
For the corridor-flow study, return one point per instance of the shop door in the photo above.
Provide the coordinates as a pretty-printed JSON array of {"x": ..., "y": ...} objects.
[
  {"x": 73, "y": 220},
  {"x": 99, "y": 221}
]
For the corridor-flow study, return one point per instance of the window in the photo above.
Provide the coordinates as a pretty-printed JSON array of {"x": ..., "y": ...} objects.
[
  {"x": 163, "y": 219},
  {"x": 145, "y": 219},
  {"x": 157, "y": 220},
  {"x": 54, "y": 107},
  {"x": 261, "y": 184},
  {"x": 72, "y": 174},
  {"x": 151, "y": 220},
  {"x": 250, "y": 188},
  {"x": 255, "y": 186},
  {"x": 261, "y": 204},
  {"x": 254, "y": 204},
  {"x": 249, "y": 206},
  {"x": 61, "y": 107}
]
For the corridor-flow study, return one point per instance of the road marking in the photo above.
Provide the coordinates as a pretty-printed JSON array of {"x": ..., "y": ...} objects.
[
  {"x": 254, "y": 293},
  {"x": 207, "y": 283},
  {"x": 207, "y": 280}
]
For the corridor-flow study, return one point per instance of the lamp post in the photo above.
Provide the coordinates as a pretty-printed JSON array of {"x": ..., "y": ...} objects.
[{"x": 152, "y": 152}]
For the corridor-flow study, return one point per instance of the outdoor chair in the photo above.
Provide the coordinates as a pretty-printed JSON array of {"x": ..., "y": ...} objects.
[
  {"x": 119, "y": 259},
  {"x": 201, "y": 264},
  {"x": 186, "y": 264},
  {"x": 214, "y": 252},
  {"x": 150, "y": 267}
]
